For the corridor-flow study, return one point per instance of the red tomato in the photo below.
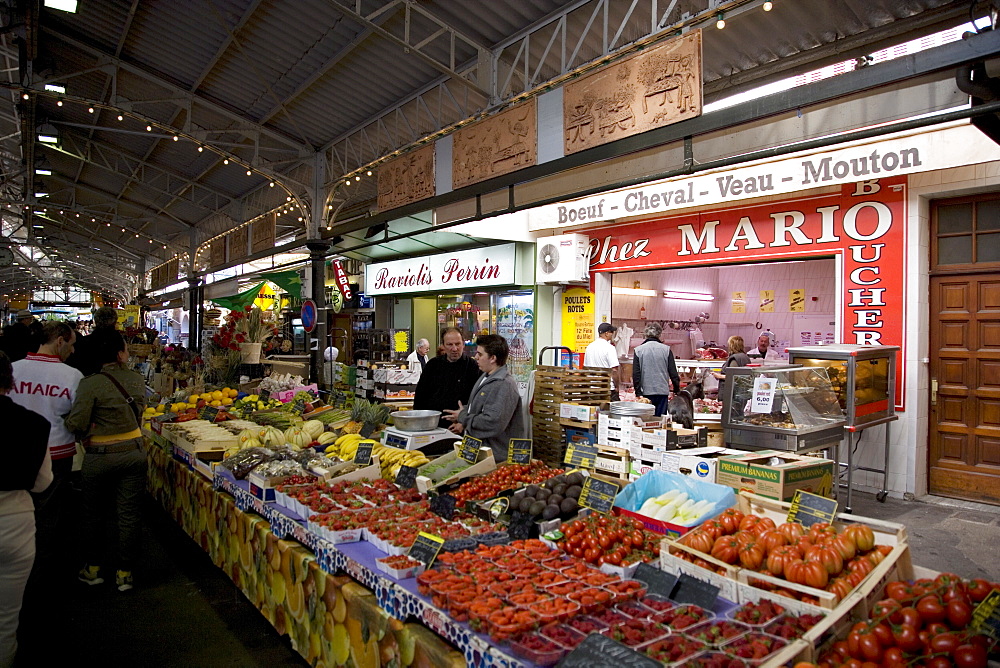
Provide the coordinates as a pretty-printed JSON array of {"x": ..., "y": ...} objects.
[
  {"x": 899, "y": 590},
  {"x": 909, "y": 615},
  {"x": 883, "y": 633},
  {"x": 871, "y": 649},
  {"x": 893, "y": 658},
  {"x": 979, "y": 589},
  {"x": 930, "y": 609},
  {"x": 969, "y": 656},
  {"x": 959, "y": 613},
  {"x": 907, "y": 639},
  {"x": 945, "y": 643}
]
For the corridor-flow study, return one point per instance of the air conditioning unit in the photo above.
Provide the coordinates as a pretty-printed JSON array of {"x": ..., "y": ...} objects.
[{"x": 562, "y": 259}]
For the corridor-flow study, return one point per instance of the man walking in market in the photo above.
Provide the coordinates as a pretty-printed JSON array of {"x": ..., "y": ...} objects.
[
  {"x": 105, "y": 321},
  {"x": 447, "y": 379},
  {"x": 601, "y": 353}
]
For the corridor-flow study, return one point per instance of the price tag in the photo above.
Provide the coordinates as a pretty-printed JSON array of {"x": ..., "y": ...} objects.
[
  {"x": 580, "y": 455},
  {"x": 425, "y": 548},
  {"x": 264, "y": 395},
  {"x": 363, "y": 456},
  {"x": 443, "y": 505},
  {"x": 809, "y": 509},
  {"x": 598, "y": 495},
  {"x": 597, "y": 651},
  {"x": 657, "y": 581},
  {"x": 692, "y": 590},
  {"x": 469, "y": 450},
  {"x": 156, "y": 423},
  {"x": 986, "y": 616},
  {"x": 209, "y": 413},
  {"x": 406, "y": 477},
  {"x": 519, "y": 451}
]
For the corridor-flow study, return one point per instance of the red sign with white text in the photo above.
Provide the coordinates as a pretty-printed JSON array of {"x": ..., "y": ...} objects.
[
  {"x": 865, "y": 224},
  {"x": 343, "y": 282}
]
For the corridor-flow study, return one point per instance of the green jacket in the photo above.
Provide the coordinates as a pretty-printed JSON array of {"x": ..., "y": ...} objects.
[{"x": 100, "y": 409}]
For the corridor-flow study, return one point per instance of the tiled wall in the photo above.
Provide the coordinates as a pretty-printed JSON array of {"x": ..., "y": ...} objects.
[{"x": 815, "y": 277}]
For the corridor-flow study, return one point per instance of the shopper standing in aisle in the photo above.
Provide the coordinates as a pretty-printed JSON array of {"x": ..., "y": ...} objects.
[
  {"x": 83, "y": 358},
  {"x": 107, "y": 413},
  {"x": 27, "y": 467},
  {"x": 494, "y": 411},
  {"x": 737, "y": 357},
  {"x": 447, "y": 379},
  {"x": 22, "y": 337},
  {"x": 43, "y": 383},
  {"x": 654, "y": 371},
  {"x": 601, "y": 353}
]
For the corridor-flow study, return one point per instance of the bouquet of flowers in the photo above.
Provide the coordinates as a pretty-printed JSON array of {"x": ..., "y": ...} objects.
[
  {"x": 139, "y": 335},
  {"x": 246, "y": 326}
]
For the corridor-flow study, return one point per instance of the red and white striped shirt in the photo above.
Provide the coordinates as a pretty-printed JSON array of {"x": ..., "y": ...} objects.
[{"x": 44, "y": 384}]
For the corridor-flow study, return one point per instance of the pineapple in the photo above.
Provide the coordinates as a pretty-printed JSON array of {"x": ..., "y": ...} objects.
[
  {"x": 358, "y": 412},
  {"x": 375, "y": 416}
]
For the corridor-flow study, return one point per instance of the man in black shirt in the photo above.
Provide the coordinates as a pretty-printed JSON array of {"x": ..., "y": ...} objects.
[
  {"x": 447, "y": 379},
  {"x": 83, "y": 357}
]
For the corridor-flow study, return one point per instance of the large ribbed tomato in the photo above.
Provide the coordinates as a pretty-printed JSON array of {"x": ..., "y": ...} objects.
[
  {"x": 840, "y": 586},
  {"x": 745, "y": 537},
  {"x": 713, "y": 528},
  {"x": 821, "y": 532},
  {"x": 698, "y": 540},
  {"x": 752, "y": 556},
  {"x": 730, "y": 519},
  {"x": 778, "y": 559},
  {"x": 726, "y": 549},
  {"x": 791, "y": 530},
  {"x": 844, "y": 546},
  {"x": 863, "y": 536},
  {"x": 756, "y": 524},
  {"x": 828, "y": 556},
  {"x": 808, "y": 572},
  {"x": 772, "y": 539}
]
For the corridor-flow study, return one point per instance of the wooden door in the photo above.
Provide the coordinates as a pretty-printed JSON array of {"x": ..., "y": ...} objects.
[{"x": 964, "y": 447}]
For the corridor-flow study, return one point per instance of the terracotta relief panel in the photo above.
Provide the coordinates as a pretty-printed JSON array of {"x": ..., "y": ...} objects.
[
  {"x": 497, "y": 145},
  {"x": 408, "y": 178}
]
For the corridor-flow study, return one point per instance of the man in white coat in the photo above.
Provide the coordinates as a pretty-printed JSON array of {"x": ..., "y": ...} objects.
[{"x": 601, "y": 353}]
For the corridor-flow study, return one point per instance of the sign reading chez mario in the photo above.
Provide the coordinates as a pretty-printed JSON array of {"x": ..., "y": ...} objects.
[
  {"x": 447, "y": 271},
  {"x": 864, "y": 224}
]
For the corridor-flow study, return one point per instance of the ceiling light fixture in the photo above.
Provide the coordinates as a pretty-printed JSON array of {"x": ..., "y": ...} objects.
[
  {"x": 690, "y": 296},
  {"x": 200, "y": 149},
  {"x": 176, "y": 138},
  {"x": 249, "y": 173},
  {"x": 720, "y": 21},
  {"x": 767, "y": 6},
  {"x": 369, "y": 172},
  {"x": 120, "y": 117},
  {"x": 226, "y": 161},
  {"x": 25, "y": 96},
  {"x": 90, "y": 110},
  {"x": 633, "y": 292}
]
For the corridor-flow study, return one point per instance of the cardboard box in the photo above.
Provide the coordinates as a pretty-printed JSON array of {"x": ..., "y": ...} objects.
[
  {"x": 641, "y": 467},
  {"x": 605, "y": 420},
  {"x": 670, "y": 438},
  {"x": 581, "y": 436},
  {"x": 753, "y": 472},
  {"x": 581, "y": 412},
  {"x": 700, "y": 463}
]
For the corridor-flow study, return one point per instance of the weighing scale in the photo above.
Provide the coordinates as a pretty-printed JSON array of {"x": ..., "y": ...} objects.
[{"x": 417, "y": 440}]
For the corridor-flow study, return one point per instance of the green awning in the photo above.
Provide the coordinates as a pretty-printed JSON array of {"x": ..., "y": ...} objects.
[
  {"x": 289, "y": 281},
  {"x": 239, "y": 301}
]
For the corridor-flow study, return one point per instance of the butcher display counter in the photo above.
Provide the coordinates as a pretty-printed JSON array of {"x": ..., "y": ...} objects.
[{"x": 791, "y": 408}]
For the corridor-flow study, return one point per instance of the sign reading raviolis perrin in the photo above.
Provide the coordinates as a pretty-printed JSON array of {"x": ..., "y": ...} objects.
[
  {"x": 649, "y": 90},
  {"x": 497, "y": 145},
  {"x": 408, "y": 178}
]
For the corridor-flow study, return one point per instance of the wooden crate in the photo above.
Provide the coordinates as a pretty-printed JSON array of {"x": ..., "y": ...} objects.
[{"x": 556, "y": 385}]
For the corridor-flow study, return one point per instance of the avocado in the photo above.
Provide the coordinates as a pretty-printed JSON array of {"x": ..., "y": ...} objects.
[
  {"x": 536, "y": 508},
  {"x": 531, "y": 490},
  {"x": 543, "y": 494},
  {"x": 560, "y": 489},
  {"x": 575, "y": 478},
  {"x": 568, "y": 506},
  {"x": 525, "y": 504},
  {"x": 555, "y": 499},
  {"x": 574, "y": 491},
  {"x": 550, "y": 512}
]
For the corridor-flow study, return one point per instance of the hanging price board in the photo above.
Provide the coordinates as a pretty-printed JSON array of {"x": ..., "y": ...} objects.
[
  {"x": 363, "y": 455},
  {"x": 598, "y": 495},
  {"x": 406, "y": 477},
  {"x": 657, "y": 582},
  {"x": 809, "y": 509},
  {"x": 580, "y": 455},
  {"x": 443, "y": 505},
  {"x": 519, "y": 451},
  {"x": 264, "y": 395},
  {"x": 209, "y": 413},
  {"x": 425, "y": 548},
  {"x": 469, "y": 450}
]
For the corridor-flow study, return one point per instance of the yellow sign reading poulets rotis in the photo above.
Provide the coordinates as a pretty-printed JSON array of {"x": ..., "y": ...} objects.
[
  {"x": 739, "y": 302},
  {"x": 578, "y": 328}
]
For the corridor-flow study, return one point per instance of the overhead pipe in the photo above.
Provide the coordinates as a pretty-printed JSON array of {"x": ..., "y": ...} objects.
[{"x": 973, "y": 80}]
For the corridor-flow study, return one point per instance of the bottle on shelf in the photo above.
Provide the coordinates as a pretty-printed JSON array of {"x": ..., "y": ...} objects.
[{"x": 642, "y": 313}]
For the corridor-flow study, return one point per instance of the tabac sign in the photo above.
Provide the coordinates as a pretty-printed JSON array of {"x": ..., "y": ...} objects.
[
  {"x": 864, "y": 224},
  {"x": 459, "y": 270}
]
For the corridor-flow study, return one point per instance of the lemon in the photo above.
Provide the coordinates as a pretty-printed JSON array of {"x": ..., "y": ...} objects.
[
  {"x": 217, "y": 395},
  {"x": 227, "y": 401},
  {"x": 193, "y": 399},
  {"x": 207, "y": 396},
  {"x": 216, "y": 402}
]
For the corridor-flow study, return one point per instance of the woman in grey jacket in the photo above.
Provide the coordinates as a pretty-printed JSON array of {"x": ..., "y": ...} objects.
[
  {"x": 654, "y": 369},
  {"x": 493, "y": 414}
]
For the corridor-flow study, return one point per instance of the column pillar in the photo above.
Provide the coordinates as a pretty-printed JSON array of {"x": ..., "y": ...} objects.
[
  {"x": 194, "y": 313},
  {"x": 317, "y": 267}
]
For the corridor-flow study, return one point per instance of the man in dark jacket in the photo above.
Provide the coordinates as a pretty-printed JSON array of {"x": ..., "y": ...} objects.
[
  {"x": 654, "y": 371},
  {"x": 446, "y": 379},
  {"x": 22, "y": 337},
  {"x": 83, "y": 357}
]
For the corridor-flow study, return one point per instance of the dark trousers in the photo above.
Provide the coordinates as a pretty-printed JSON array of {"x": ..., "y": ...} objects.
[
  {"x": 113, "y": 484},
  {"x": 659, "y": 401},
  {"x": 51, "y": 534}
]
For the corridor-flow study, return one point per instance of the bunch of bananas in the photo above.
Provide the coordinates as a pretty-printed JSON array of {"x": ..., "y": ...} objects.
[{"x": 390, "y": 459}]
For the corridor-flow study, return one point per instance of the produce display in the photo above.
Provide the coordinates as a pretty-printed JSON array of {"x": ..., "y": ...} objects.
[
  {"x": 556, "y": 497},
  {"x": 818, "y": 557},
  {"x": 925, "y": 621},
  {"x": 675, "y": 507},
  {"x": 390, "y": 459},
  {"x": 507, "y": 476},
  {"x": 600, "y": 539}
]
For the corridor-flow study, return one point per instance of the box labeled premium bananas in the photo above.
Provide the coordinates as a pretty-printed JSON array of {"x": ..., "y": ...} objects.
[{"x": 776, "y": 474}]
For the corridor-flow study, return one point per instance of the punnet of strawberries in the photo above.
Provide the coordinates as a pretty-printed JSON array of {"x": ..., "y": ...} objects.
[
  {"x": 757, "y": 613},
  {"x": 674, "y": 648},
  {"x": 585, "y": 624},
  {"x": 754, "y": 646},
  {"x": 790, "y": 627},
  {"x": 714, "y": 660},
  {"x": 564, "y": 635},
  {"x": 681, "y": 617},
  {"x": 635, "y": 632},
  {"x": 717, "y": 631}
]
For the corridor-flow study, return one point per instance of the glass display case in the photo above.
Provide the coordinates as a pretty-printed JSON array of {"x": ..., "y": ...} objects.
[
  {"x": 791, "y": 408},
  {"x": 864, "y": 378}
]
